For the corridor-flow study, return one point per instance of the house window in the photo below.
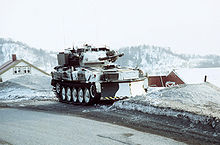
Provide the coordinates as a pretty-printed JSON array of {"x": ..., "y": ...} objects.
[
  {"x": 29, "y": 70},
  {"x": 15, "y": 70},
  {"x": 19, "y": 69},
  {"x": 22, "y": 70}
]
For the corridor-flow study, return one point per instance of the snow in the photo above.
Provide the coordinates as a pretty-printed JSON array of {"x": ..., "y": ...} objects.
[
  {"x": 197, "y": 75},
  {"x": 26, "y": 88},
  {"x": 37, "y": 57},
  {"x": 92, "y": 56},
  {"x": 200, "y": 99},
  {"x": 150, "y": 59}
]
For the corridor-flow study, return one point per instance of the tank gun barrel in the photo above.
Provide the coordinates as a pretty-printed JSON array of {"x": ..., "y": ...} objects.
[{"x": 111, "y": 58}]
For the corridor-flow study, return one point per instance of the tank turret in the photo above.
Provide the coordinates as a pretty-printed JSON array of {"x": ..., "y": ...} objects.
[{"x": 86, "y": 75}]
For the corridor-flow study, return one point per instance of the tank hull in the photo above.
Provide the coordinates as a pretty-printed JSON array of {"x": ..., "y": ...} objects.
[{"x": 109, "y": 90}]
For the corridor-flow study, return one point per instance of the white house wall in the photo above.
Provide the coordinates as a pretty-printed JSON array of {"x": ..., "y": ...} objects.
[{"x": 10, "y": 73}]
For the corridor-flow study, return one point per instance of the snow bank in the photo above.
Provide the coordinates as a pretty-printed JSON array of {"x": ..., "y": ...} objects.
[
  {"x": 201, "y": 99},
  {"x": 25, "y": 88},
  {"x": 34, "y": 82}
]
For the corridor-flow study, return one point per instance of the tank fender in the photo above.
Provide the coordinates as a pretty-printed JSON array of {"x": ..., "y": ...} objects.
[{"x": 98, "y": 87}]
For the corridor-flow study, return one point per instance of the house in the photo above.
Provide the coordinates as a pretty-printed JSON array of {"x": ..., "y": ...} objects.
[
  {"x": 14, "y": 68},
  {"x": 186, "y": 76},
  {"x": 156, "y": 81}
]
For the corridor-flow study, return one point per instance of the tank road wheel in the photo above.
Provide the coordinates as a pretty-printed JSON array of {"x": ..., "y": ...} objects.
[
  {"x": 92, "y": 91},
  {"x": 87, "y": 96},
  {"x": 68, "y": 94},
  {"x": 94, "y": 95},
  {"x": 63, "y": 94},
  {"x": 74, "y": 95},
  {"x": 58, "y": 88},
  {"x": 80, "y": 95}
]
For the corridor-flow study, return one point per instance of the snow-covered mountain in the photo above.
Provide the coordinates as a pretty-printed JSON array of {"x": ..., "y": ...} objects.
[
  {"x": 38, "y": 57},
  {"x": 157, "y": 60},
  {"x": 151, "y": 59}
]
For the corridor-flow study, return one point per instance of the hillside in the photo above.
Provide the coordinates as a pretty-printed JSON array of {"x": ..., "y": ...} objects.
[
  {"x": 38, "y": 57},
  {"x": 157, "y": 60},
  {"x": 151, "y": 59}
]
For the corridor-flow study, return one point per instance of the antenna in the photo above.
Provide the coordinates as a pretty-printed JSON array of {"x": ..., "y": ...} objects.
[{"x": 73, "y": 45}]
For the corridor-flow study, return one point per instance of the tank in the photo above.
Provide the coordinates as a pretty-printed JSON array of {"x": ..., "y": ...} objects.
[{"x": 88, "y": 74}]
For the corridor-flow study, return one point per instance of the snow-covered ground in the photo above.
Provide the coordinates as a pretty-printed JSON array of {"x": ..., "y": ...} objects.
[
  {"x": 26, "y": 88},
  {"x": 201, "y": 99}
]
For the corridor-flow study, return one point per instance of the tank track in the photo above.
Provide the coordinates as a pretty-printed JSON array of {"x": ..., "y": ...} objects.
[
  {"x": 80, "y": 94},
  {"x": 84, "y": 94}
]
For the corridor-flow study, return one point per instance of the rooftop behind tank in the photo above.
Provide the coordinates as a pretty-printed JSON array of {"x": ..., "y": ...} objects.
[{"x": 86, "y": 75}]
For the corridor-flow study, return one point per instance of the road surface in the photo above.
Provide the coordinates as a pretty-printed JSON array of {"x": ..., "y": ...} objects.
[{"x": 19, "y": 126}]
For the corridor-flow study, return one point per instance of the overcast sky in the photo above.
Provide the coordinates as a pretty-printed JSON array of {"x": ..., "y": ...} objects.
[{"x": 186, "y": 26}]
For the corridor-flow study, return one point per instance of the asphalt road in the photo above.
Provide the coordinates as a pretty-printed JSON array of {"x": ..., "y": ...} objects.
[{"x": 33, "y": 127}]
